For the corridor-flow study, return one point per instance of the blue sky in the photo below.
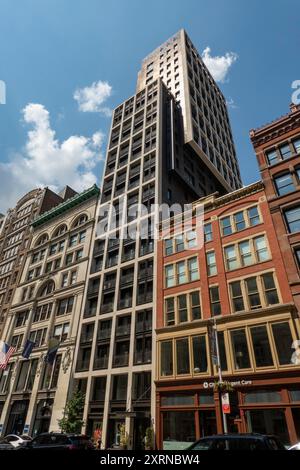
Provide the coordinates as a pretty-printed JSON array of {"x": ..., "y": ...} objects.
[{"x": 50, "y": 48}]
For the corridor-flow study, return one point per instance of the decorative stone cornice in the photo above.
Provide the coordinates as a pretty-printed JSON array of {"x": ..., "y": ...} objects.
[{"x": 67, "y": 205}]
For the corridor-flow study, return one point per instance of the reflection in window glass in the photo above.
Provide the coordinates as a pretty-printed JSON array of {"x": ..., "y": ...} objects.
[
  {"x": 261, "y": 346},
  {"x": 283, "y": 342},
  {"x": 183, "y": 356},
  {"x": 166, "y": 358},
  {"x": 240, "y": 349},
  {"x": 199, "y": 353}
]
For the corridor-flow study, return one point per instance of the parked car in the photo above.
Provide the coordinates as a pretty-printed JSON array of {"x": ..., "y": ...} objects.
[
  {"x": 16, "y": 440},
  {"x": 5, "y": 444},
  {"x": 295, "y": 446},
  {"x": 238, "y": 442},
  {"x": 59, "y": 441}
]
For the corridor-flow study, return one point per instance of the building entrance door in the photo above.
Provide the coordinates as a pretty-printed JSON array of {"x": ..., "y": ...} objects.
[
  {"x": 208, "y": 422},
  {"x": 17, "y": 416}
]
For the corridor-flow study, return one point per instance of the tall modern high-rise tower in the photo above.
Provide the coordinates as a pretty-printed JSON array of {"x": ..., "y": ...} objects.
[{"x": 169, "y": 143}]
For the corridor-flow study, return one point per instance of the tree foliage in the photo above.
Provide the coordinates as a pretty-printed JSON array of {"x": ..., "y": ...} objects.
[{"x": 72, "y": 419}]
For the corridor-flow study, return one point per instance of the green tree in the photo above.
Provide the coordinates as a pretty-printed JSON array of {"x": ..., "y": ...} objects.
[{"x": 72, "y": 420}]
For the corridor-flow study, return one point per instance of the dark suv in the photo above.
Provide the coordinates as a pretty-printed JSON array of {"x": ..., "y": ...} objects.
[
  {"x": 59, "y": 441},
  {"x": 238, "y": 442}
]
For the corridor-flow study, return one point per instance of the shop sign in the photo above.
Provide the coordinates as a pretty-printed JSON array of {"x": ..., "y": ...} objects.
[
  {"x": 225, "y": 403},
  {"x": 235, "y": 383}
]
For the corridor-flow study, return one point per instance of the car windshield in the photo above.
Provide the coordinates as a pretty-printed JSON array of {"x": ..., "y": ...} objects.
[{"x": 26, "y": 438}]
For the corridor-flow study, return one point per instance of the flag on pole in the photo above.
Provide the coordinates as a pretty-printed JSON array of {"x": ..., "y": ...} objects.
[
  {"x": 5, "y": 352},
  {"x": 53, "y": 346},
  {"x": 29, "y": 345}
]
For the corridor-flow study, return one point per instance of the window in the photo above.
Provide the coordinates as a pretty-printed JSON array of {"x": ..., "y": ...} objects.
[
  {"x": 208, "y": 235},
  {"x": 297, "y": 253},
  {"x": 64, "y": 280},
  {"x": 240, "y": 349},
  {"x": 47, "y": 289},
  {"x": 169, "y": 247},
  {"x": 226, "y": 226},
  {"x": 253, "y": 293},
  {"x": 65, "y": 306},
  {"x": 182, "y": 308},
  {"x": 270, "y": 289},
  {"x": 253, "y": 216},
  {"x": 179, "y": 243},
  {"x": 182, "y": 356},
  {"x": 181, "y": 273},
  {"x": 261, "y": 250},
  {"x": 211, "y": 263},
  {"x": 237, "y": 296},
  {"x": 284, "y": 184},
  {"x": 170, "y": 311},
  {"x": 215, "y": 303},
  {"x": 239, "y": 221},
  {"x": 191, "y": 238},
  {"x": 231, "y": 257},
  {"x": 73, "y": 240},
  {"x": 272, "y": 157},
  {"x": 61, "y": 331},
  {"x": 166, "y": 358},
  {"x": 283, "y": 342},
  {"x": 195, "y": 305},
  {"x": 285, "y": 151},
  {"x": 193, "y": 271},
  {"x": 261, "y": 346},
  {"x": 296, "y": 144},
  {"x": 38, "y": 337},
  {"x": 245, "y": 253},
  {"x": 293, "y": 219},
  {"x": 169, "y": 276},
  {"x": 199, "y": 354},
  {"x": 69, "y": 259}
]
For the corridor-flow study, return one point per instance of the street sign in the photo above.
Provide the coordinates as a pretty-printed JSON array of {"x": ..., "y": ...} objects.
[{"x": 225, "y": 403}]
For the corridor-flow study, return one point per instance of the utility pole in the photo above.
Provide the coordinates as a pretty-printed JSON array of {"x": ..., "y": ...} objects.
[{"x": 220, "y": 373}]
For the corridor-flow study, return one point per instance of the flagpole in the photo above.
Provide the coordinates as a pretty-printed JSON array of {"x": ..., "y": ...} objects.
[{"x": 220, "y": 374}]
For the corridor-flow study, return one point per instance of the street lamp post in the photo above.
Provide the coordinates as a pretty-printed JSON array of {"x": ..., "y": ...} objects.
[{"x": 220, "y": 373}]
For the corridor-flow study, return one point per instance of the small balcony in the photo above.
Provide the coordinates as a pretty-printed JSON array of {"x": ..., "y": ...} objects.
[{"x": 143, "y": 357}]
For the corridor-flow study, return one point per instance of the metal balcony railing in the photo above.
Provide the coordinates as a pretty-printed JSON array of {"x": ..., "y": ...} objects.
[{"x": 120, "y": 360}]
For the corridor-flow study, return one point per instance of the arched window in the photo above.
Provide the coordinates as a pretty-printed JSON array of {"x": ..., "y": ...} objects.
[
  {"x": 60, "y": 231},
  {"x": 46, "y": 289},
  {"x": 42, "y": 239},
  {"x": 80, "y": 220}
]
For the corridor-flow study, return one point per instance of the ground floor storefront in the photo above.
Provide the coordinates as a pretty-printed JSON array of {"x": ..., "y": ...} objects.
[{"x": 264, "y": 404}]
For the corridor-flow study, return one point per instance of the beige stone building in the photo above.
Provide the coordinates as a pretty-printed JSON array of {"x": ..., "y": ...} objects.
[{"x": 47, "y": 304}]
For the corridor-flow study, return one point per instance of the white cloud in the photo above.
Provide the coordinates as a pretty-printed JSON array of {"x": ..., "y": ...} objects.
[
  {"x": 91, "y": 98},
  {"x": 231, "y": 104},
  {"x": 218, "y": 65},
  {"x": 44, "y": 161}
]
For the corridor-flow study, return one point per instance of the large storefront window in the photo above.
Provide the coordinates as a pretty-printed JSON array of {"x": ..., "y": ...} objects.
[
  {"x": 199, "y": 353},
  {"x": 268, "y": 422},
  {"x": 208, "y": 423},
  {"x": 261, "y": 346},
  {"x": 178, "y": 429},
  {"x": 283, "y": 341},
  {"x": 166, "y": 357},
  {"x": 182, "y": 355},
  {"x": 240, "y": 349}
]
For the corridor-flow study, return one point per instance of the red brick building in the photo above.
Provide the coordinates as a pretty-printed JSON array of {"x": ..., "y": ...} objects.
[
  {"x": 239, "y": 278},
  {"x": 277, "y": 147}
]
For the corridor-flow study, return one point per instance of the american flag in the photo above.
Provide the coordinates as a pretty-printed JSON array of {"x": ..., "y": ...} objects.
[{"x": 5, "y": 352}]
